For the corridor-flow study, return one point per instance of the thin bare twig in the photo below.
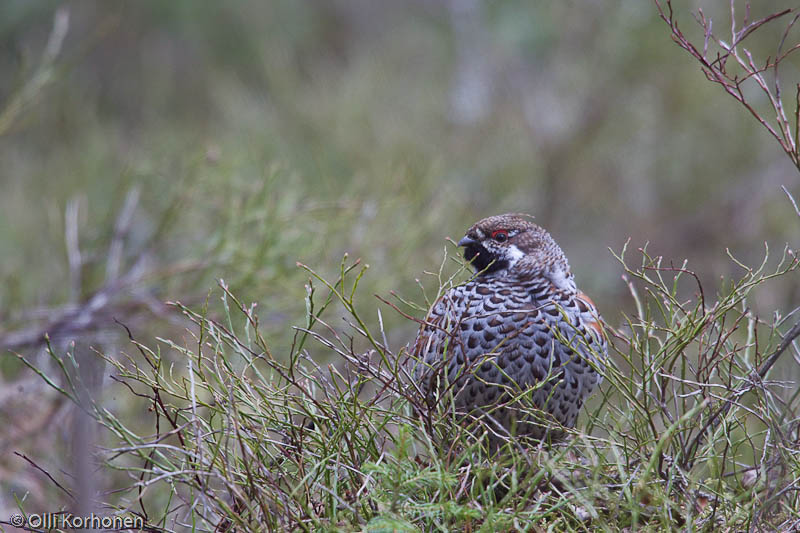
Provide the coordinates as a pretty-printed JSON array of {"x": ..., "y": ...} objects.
[
  {"x": 121, "y": 229},
  {"x": 719, "y": 414},
  {"x": 71, "y": 240},
  {"x": 46, "y": 473},
  {"x": 717, "y": 69},
  {"x": 791, "y": 199}
]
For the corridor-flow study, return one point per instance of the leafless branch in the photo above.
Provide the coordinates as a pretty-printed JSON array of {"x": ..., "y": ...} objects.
[
  {"x": 715, "y": 419},
  {"x": 46, "y": 473},
  {"x": 118, "y": 296},
  {"x": 714, "y": 62},
  {"x": 71, "y": 214},
  {"x": 791, "y": 199},
  {"x": 120, "y": 232}
]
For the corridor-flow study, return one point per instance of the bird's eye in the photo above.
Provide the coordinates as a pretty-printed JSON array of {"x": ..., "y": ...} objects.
[{"x": 500, "y": 235}]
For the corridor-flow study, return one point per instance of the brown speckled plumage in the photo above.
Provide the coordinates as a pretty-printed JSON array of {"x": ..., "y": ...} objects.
[{"x": 520, "y": 325}]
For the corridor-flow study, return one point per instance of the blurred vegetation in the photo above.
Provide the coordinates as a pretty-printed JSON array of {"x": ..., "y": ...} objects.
[{"x": 251, "y": 136}]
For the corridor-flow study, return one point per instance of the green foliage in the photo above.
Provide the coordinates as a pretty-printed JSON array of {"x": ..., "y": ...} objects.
[{"x": 687, "y": 432}]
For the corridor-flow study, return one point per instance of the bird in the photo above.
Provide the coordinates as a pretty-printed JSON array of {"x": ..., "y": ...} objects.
[{"x": 519, "y": 328}]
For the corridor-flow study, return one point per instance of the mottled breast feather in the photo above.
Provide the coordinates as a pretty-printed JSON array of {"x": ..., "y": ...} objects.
[{"x": 493, "y": 338}]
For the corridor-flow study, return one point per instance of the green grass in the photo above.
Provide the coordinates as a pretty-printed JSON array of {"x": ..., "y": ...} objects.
[{"x": 684, "y": 433}]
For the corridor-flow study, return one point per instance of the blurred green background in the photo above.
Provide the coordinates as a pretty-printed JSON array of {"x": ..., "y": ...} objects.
[{"x": 260, "y": 134}]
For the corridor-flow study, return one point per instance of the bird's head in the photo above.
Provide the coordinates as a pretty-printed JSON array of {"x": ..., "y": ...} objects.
[{"x": 511, "y": 243}]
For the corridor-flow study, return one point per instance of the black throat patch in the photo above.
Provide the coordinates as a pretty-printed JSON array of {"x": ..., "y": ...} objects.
[{"x": 483, "y": 261}]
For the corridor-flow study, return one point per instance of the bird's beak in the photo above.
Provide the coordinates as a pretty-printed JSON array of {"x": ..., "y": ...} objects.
[{"x": 466, "y": 241}]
